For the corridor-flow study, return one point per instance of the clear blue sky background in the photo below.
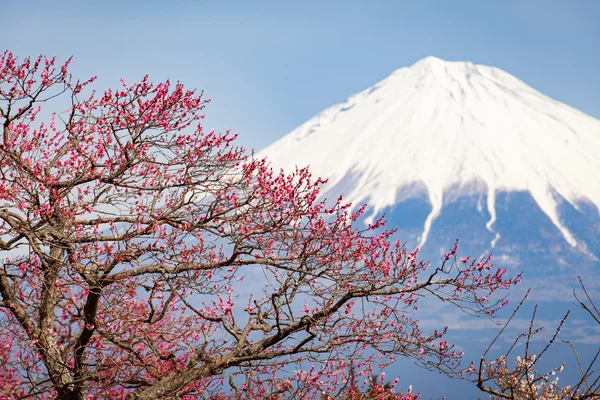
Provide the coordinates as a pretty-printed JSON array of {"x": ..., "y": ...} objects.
[{"x": 270, "y": 65}]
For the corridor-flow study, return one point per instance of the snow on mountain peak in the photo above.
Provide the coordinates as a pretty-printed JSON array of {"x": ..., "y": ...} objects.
[{"x": 439, "y": 125}]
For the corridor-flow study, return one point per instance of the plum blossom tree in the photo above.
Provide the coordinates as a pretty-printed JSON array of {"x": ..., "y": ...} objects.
[
  {"x": 523, "y": 379},
  {"x": 126, "y": 232}
]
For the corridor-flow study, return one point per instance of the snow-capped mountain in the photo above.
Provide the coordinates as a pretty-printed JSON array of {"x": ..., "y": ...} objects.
[
  {"x": 440, "y": 143},
  {"x": 456, "y": 150}
]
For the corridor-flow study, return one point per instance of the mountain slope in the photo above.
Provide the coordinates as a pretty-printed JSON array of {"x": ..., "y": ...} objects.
[{"x": 447, "y": 130}]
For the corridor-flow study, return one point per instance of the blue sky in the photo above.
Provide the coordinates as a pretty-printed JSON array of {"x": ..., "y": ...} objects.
[{"x": 269, "y": 66}]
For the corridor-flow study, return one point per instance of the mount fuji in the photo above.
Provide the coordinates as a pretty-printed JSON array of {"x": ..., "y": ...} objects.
[{"x": 458, "y": 150}]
